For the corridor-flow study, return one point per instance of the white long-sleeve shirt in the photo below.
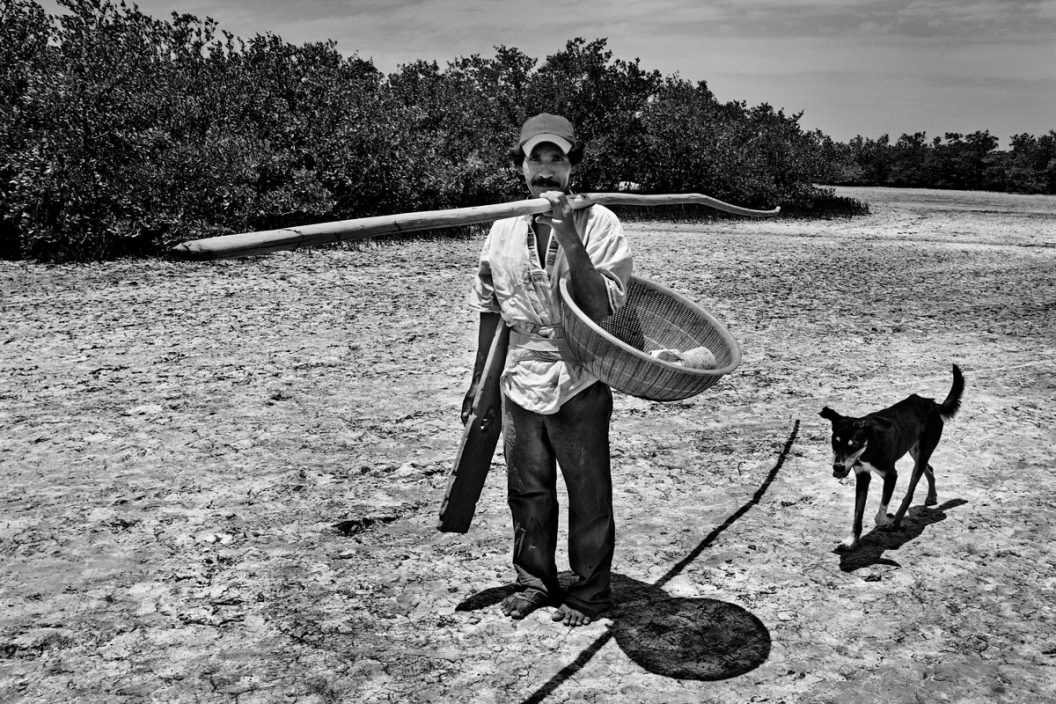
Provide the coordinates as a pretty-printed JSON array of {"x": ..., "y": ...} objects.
[{"x": 513, "y": 281}]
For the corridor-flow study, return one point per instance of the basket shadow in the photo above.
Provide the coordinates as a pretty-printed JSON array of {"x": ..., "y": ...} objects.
[
  {"x": 870, "y": 550},
  {"x": 680, "y": 638},
  {"x": 686, "y": 638}
]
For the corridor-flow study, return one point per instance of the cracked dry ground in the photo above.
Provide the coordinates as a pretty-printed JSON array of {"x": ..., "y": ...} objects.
[{"x": 221, "y": 481}]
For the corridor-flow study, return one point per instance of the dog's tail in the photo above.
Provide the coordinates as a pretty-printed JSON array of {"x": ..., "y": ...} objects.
[{"x": 952, "y": 404}]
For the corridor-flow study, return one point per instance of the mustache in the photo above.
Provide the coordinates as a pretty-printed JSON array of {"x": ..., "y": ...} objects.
[{"x": 546, "y": 182}]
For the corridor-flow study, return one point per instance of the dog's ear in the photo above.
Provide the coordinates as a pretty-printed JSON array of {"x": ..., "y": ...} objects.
[{"x": 829, "y": 414}]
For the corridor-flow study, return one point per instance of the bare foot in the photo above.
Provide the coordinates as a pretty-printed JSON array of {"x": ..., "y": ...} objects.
[
  {"x": 570, "y": 616},
  {"x": 520, "y": 604}
]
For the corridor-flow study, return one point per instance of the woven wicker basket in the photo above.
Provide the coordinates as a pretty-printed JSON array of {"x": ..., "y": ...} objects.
[{"x": 654, "y": 317}]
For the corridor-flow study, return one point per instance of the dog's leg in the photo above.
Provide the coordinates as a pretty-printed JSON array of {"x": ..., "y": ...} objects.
[
  {"x": 929, "y": 474},
  {"x": 923, "y": 449},
  {"x": 890, "y": 477},
  {"x": 861, "y": 492},
  {"x": 897, "y": 522},
  {"x": 932, "y": 497}
]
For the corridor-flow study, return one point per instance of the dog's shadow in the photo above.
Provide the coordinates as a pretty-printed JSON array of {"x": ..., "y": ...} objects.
[
  {"x": 872, "y": 546},
  {"x": 676, "y": 637}
]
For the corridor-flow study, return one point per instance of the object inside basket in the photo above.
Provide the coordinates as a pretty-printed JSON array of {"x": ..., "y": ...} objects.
[
  {"x": 696, "y": 358},
  {"x": 627, "y": 326}
]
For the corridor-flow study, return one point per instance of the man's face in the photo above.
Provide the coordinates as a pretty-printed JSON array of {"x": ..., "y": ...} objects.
[{"x": 547, "y": 168}]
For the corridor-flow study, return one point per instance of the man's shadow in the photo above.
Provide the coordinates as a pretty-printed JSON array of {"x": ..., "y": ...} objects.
[
  {"x": 872, "y": 546},
  {"x": 681, "y": 638}
]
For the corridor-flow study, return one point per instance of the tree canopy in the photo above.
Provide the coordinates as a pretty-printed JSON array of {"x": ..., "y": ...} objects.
[{"x": 123, "y": 133}]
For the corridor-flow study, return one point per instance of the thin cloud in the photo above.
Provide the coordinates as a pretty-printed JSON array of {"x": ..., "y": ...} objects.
[{"x": 974, "y": 20}]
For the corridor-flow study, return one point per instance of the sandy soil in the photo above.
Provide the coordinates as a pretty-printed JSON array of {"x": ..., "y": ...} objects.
[{"x": 221, "y": 481}]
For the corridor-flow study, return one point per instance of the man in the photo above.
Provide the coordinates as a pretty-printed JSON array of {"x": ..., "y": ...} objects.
[{"x": 554, "y": 412}]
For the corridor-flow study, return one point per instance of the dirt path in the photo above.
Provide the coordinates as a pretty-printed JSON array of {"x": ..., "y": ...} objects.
[{"x": 221, "y": 480}]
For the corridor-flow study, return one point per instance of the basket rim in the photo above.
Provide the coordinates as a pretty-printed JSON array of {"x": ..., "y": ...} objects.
[{"x": 735, "y": 349}]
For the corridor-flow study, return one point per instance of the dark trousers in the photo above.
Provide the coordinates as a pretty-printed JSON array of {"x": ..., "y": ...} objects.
[{"x": 576, "y": 438}]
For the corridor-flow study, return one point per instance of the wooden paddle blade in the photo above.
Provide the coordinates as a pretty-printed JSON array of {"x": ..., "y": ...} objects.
[
  {"x": 479, "y": 439},
  {"x": 466, "y": 482}
]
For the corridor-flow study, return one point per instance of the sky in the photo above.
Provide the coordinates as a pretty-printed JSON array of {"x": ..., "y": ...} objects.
[{"x": 851, "y": 67}]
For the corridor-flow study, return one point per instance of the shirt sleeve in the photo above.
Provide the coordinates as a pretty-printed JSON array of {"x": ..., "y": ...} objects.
[
  {"x": 482, "y": 296},
  {"x": 610, "y": 254}
]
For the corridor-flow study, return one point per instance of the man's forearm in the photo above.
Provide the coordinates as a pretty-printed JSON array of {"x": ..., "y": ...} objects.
[
  {"x": 587, "y": 284},
  {"x": 489, "y": 322}
]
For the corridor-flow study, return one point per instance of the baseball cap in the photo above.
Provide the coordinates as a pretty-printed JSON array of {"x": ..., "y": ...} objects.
[{"x": 545, "y": 127}]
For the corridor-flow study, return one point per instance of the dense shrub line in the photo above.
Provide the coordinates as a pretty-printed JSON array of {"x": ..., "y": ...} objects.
[
  {"x": 121, "y": 133},
  {"x": 959, "y": 161}
]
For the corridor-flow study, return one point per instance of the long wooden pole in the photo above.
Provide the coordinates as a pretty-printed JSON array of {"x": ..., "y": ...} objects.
[{"x": 249, "y": 243}]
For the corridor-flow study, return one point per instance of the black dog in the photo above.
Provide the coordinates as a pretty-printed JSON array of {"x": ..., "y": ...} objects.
[{"x": 875, "y": 442}]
